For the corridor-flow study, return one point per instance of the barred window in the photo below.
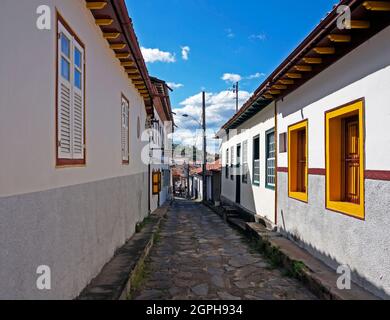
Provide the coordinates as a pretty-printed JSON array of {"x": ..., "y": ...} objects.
[
  {"x": 256, "y": 160},
  {"x": 270, "y": 159},
  {"x": 245, "y": 168}
]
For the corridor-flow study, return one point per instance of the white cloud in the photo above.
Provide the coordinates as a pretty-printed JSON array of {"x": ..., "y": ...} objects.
[
  {"x": 231, "y": 77},
  {"x": 185, "y": 51},
  {"x": 230, "y": 33},
  {"x": 156, "y": 55},
  {"x": 260, "y": 36},
  {"x": 255, "y": 76},
  {"x": 174, "y": 85},
  {"x": 220, "y": 107}
]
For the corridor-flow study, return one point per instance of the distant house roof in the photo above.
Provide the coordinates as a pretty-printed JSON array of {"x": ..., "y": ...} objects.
[
  {"x": 161, "y": 99},
  {"x": 117, "y": 27},
  {"x": 210, "y": 168},
  {"x": 324, "y": 46}
]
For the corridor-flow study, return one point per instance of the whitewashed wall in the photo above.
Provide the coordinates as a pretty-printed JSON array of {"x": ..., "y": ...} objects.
[
  {"x": 164, "y": 195},
  {"x": 71, "y": 219},
  {"x": 258, "y": 200},
  {"x": 27, "y": 101}
]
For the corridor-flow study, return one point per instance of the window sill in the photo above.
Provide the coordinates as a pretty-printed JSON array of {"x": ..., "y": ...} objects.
[
  {"x": 346, "y": 208},
  {"x": 70, "y": 163},
  {"x": 300, "y": 196}
]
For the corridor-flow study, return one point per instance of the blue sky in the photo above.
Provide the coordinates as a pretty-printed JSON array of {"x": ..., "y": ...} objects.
[{"x": 247, "y": 38}]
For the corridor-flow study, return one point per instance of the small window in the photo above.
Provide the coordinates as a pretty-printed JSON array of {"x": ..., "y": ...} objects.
[
  {"x": 125, "y": 131},
  {"x": 297, "y": 161},
  {"x": 270, "y": 159},
  {"x": 245, "y": 169},
  {"x": 283, "y": 142},
  {"x": 156, "y": 182},
  {"x": 256, "y": 160},
  {"x": 345, "y": 160}
]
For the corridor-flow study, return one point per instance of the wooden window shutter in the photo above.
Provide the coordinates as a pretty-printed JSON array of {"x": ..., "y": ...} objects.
[
  {"x": 78, "y": 107},
  {"x": 125, "y": 131},
  {"x": 64, "y": 98},
  {"x": 155, "y": 183},
  {"x": 70, "y": 98},
  {"x": 352, "y": 160}
]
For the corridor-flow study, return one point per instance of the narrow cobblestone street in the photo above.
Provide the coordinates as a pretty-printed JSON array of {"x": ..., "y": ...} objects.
[{"x": 198, "y": 256}]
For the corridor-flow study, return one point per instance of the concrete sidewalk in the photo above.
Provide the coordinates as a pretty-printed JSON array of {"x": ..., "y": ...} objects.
[
  {"x": 114, "y": 282},
  {"x": 318, "y": 277}
]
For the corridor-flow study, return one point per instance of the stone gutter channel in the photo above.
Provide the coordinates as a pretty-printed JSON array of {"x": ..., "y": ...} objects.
[
  {"x": 320, "y": 279},
  {"x": 116, "y": 279}
]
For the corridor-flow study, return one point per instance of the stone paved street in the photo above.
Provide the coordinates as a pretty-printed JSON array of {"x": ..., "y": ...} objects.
[{"x": 199, "y": 257}]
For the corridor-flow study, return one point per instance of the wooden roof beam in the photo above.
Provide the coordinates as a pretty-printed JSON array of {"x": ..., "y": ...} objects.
[
  {"x": 135, "y": 76},
  {"x": 117, "y": 46},
  {"x": 357, "y": 24},
  {"x": 127, "y": 63},
  {"x": 377, "y": 5},
  {"x": 96, "y": 5},
  {"x": 312, "y": 60},
  {"x": 124, "y": 55},
  {"x": 104, "y": 22},
  {"x": 325, "y": 50},
  {"x": 292, "y": 75},
  {"x": 279, "y": 87},
  {"x": 132, "y": 71},
  {"x": 286, "y": 81},
  {"x": 111, "y": 35},
  {"x": 339, "y": 38},
  {"x": 303, "y": 68}
]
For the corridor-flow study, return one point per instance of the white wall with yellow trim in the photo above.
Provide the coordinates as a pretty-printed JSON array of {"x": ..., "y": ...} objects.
[{"x": 334, "y": 237}]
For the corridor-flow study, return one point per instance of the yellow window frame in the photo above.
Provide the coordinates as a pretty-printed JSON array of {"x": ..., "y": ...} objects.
[
  {"x": 156, "y": 183},
  {"x": 292, "y": 154},
  {"x": 333, "y": 136}
]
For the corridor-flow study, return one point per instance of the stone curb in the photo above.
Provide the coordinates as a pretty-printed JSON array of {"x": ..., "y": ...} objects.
[
  {"x": 115, "y": 280},
  {"x": 315, "y": 275}
]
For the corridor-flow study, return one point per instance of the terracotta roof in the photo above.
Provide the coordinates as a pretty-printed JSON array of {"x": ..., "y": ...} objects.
[
  {"x": 161, "y": 99},
  {"x": 210, "y": 167}
]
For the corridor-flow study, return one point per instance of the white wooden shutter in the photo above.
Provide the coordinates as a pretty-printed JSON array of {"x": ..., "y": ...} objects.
[
  {"x": 64, "y": 114},
  {"x": 78, "y": 107},
  {"x": 125, "y": 130}
]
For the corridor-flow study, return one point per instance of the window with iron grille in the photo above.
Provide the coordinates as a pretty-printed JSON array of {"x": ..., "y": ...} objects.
[
  {"x": 245, "y": 168},
  {"x": 256, "y": 160},
  {"x": 270, "y": 159},
  {"x": 232, "y": 163},
  {"x": 227, "y": 164}
]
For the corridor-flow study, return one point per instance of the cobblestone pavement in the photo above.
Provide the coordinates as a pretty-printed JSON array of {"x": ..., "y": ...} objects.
[{"x": 199, "y": 257}]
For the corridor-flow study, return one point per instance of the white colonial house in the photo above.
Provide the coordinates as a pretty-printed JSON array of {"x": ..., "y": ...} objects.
[
  {"x": 75, "y": 98},
  {"x": 248, "y": 157},
  {"x": 331, "y": 101},
  {"x": 161, "y": 145}
]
